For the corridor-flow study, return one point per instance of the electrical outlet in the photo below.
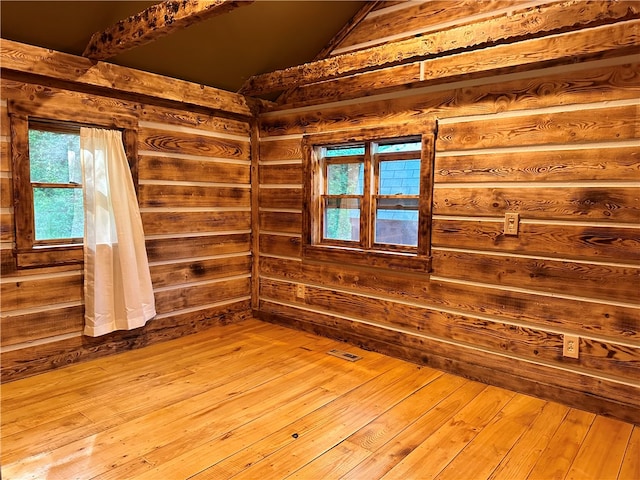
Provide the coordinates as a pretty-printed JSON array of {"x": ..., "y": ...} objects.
[
  {"x": 299, "y": 291},
  {"x": 511, "y": 223},
  {"x": 571, "y": 346}
]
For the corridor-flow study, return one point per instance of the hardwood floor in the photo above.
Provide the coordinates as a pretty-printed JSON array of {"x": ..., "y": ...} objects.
[{"x": 258, "y": 401}]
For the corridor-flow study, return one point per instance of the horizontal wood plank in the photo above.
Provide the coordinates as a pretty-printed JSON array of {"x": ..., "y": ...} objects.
[
  {"x": 165, "y": 223},
  {"x": 527, "y": 22},
  {"x": 551, "y": 240},
  {"x": 582, "y": 45},
  {"x": 591, "y": 394},
  {"x": 172, "y": 274},
  {"x": 27, "y": 327},
  {"x": 23, "y": 58},
  {"x": 190, "y": 144},
  {"x": 280, "y": 198},
  {"x": 285, "y": 222},
  {"x": 178, "y": 169},
  {"x": 280, "y": 174},
  {"x": 543, "y": 310},
  {"x": 496, "y": 95},
  {"x": 192, "y": 196},
  {"x": 591, "y": 163},
  {"x": 290, "y": 149},
  {"x": 602, "y": 281},
  {"x": 184, "y": 247},
  {"x": 192, "y": 296},
  {"x": 27, "y": 293},
  {"x": 579, "y": 126},
  {"x": 610, "y": 204}
]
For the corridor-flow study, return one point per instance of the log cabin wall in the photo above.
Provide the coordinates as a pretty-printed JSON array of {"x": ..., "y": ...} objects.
[
  {"x": 546, "y": 126},
  {"x": 194, "y": 195}
]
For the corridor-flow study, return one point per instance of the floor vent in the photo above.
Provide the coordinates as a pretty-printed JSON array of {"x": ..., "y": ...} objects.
[{"x": 344, "y": 355}]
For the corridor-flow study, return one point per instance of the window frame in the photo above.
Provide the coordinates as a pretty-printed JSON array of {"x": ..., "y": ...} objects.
[
  {"x": 366, "y": 251},
  {"x": 30, "y": 253}
]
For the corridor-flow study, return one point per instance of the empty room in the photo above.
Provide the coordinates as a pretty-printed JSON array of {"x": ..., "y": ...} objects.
[{"x": 315, "y": 239}]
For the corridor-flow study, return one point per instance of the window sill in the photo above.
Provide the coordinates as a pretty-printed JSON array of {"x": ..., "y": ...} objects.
[
  {"x": 49, "y": 256},
  {"x": 369, "y": 258}
]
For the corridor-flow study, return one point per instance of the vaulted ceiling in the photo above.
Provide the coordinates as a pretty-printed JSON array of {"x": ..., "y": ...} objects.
[{"x": 223, "y": 51}]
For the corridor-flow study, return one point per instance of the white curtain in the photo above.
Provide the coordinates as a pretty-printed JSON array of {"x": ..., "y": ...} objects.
[{"x": 118, "y": 294}]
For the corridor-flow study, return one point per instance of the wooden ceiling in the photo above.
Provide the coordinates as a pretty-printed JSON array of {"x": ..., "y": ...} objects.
[{"x": 222, "y": 51}]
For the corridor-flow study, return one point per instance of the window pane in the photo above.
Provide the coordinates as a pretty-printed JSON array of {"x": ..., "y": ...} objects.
[
  {"x": 59, "y": 213},
  {"x": 345, "y": 178},
  {"x": 54, "y": 157},
  {"x": 400, "y": 147},
  {"x": 342, "y": 219},
  {"x": 397, "y": 221},
  {"x": 400, "y": 177},
  {"x": 344, "y": 151}
]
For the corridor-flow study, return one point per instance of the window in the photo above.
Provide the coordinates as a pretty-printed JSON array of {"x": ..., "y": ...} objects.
[
  {"x": 47, "y": 179},
  {"x": 55, "y": 177},
  {"x": 369, "y": 197}
]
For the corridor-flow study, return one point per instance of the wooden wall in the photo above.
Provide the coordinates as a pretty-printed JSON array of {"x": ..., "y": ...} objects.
[
  {"x": 194, "y": 195},
  {"x": 556, "y": 141}
]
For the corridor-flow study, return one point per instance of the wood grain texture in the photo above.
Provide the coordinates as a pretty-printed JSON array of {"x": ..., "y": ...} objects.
[
  {"x": 584, "y": 125},
  {"x": 503, "y": 29},
  {"x": 189, "y": 144},
  {"x": 153, "y": 23},
  {"x": 546, "y": 311},
  {"x": 610, "y": 204},
  {"x": 586, "y": 392},
  {"x": 285, "y": 222},
  {"x": 601, "y": 281},
  {"x": 356, "y": 420},
  {"x": 27, "y": 293},
  {"x": 23, "y": 58},
  {"x": 425, "y": 16},
  {"x": 27, "y": 327},
  {"x": 193, "y": 196},
  {"x": 522, "y": 341},
  {"x": 545, "y": 89},
  {"x": 589, "y": 163},
  {"x": 179, "y": 169},
  {"x": 275, "y": 174},
  {"x": 172, "y": 274},
  {"x": 31, "y": 360},
  {"x": 180, "y": 223},
  {"x": 185, "y": 247},
  {"x": 192, "y": 296},
  {"x": 583, "y": 45},
  {"x": 563, "y": 241},
  {"x": 280, "y": 198}
]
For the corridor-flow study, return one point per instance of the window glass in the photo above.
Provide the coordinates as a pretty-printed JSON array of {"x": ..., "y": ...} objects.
[
  {"x": 56, "y": 180},
  {"x": 396, "y": 221},
  {"x": 400, "y": 177},
  {"x": 344, "y": 150},
  {"x": 342, "y": 219},
  {"x": 400, "y": 147},
  {"x": 345, "y": 178},
  {"x": 54, "y": 157},
  {"x": 59, "y": 213}
]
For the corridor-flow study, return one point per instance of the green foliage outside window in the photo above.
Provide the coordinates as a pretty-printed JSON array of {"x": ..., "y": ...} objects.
[{"x": 56, "y": 178}]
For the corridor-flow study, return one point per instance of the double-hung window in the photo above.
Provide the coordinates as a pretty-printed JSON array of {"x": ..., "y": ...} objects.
[
  {"x": 368, "y": 197},
  {"x": 47, "y": 179}
]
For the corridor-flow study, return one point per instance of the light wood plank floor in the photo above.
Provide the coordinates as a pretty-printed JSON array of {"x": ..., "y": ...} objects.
[{"x": 257, "y": 401}]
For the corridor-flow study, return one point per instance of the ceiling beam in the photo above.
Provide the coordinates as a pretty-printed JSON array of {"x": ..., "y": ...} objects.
[
  {"x": 527, "y": 23},
  {"x": 107, "y": 77},
  {"x": 155, "y": 22}
]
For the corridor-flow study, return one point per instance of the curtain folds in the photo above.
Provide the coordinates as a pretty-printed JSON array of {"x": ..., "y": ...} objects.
[{"x": 118, "y": 293}]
